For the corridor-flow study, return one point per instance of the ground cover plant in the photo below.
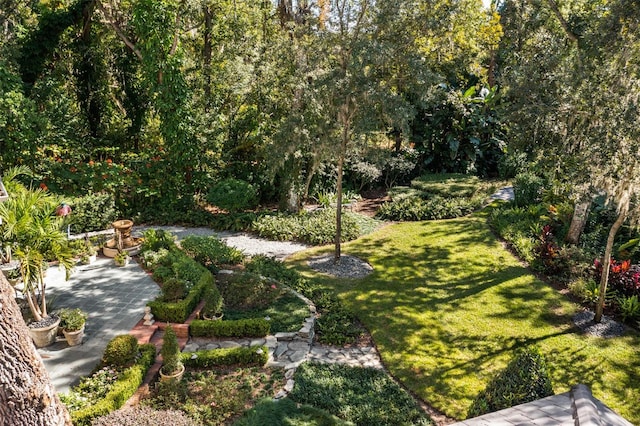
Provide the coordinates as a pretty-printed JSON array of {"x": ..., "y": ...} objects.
[
  {"x": 314, "y": 228},
  {"x": 364, "y": 396},
  {"x": 448, "y": 314},
  {"x": 285, "y": 412},
  {"x": 437, "y": 196},
  {"x": 218, "y": 394}
]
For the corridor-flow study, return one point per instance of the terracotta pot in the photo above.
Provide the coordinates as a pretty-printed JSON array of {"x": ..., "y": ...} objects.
[
  {"x": 74, "y": 338},
  {"x": 45, "y": 336},
  {"x": 175, "y": 376}
]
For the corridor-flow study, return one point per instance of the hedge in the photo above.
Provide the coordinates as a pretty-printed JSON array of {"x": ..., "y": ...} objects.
[
  {"x": 250, "y": 327},
  {"x": 121, "y": 391},
  {"x": 178, "y": 312},
  {"x": 253, "y": 355}
]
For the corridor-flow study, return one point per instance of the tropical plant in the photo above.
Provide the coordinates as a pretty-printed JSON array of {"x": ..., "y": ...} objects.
[{"x": 29, "y": 223}]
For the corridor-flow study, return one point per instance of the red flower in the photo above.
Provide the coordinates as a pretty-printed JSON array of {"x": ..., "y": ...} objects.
[
  {"x": 109, "y": 161},
  {"x": 626, "y": 264},
  {"x": 43, "y": 186},
  {"x": 91, "y": 163},
  {"x": 73, "y": 169}
]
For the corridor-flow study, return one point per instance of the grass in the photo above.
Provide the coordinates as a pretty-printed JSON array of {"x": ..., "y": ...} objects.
[{"x": 447, "y": 306}]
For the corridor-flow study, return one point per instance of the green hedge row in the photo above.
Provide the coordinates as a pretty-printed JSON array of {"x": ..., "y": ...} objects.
[
  {"x": 253, "y": 355},
  {"x": 178, "y": 312},
  {"x": 250, "y": 327},
  {"x": 121, "y": 391}
]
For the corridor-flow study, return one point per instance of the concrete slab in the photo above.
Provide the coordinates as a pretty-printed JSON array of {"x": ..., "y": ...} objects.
[{"x": 114, "y": 297}]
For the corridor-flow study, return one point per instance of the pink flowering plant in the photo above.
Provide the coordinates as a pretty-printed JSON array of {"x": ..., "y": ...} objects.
[{"x": 624, "y": 277}]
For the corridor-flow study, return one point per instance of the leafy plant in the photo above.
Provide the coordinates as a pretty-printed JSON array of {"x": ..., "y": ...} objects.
[
  {"x": 173, "y": 289},
  {"x": 525, "y": 379},
  {"x": 364, "y": 396},
  {"x": 527, "y": 188},
  {"x": 629, "y": 308},
  {"x": 93, "y": 212},
  {"x": 170, "y": 351},
  {"x": 121, "y": 351},
  {"x": 246, "y": 291},
  {"x": 210, "y": 251},
  {"x": 233, "y": 195},
  {"x": 72, "y": 319}
]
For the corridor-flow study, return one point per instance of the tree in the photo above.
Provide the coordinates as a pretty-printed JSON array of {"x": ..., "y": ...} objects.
[
  {"x": 27, "y": 396},
  {"x": 579, "y": 101}
]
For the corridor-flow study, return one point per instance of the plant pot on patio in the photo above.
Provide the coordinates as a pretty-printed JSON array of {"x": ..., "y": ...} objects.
[
  {"x": 43, "y": 333},
  {"x": 72, "y": 322}
]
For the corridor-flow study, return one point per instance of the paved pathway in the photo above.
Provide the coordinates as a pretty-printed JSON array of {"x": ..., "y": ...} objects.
[{"x": 114, "y": 297}]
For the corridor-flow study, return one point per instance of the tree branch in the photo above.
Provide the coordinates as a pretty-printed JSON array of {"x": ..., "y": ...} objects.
[
  {"x": 174, "y": 46},
  {"x": 119, "y": 31},
  {"x": 563, "y": 23}
]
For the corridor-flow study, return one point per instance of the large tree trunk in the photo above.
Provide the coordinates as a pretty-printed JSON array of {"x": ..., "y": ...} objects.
[
  {"x": 578, "y": 221},
  {"x": 27, "y": 396},
  {"x": 606, "y": 261}
]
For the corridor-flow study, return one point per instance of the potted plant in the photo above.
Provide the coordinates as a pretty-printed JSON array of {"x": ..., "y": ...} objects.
[
  {"x": 172, "y": 367},
  {"x": 35, "y": 233},
  {"x": 72, "y": 322},
  {"x": 121, "y": 258},
  {"x": 89, "y": 255}
]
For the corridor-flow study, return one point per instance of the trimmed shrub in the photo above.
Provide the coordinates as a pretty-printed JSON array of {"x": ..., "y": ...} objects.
[
  {"x": 92, "y": 212},
  {"x": 254, "y": 355},
  {"x": 212, "y": 301},
  {"x": 126, "y": 385},
  {"x": 170, "y": 352},
  {"x": 173, "y": 289},
  {"x": 251, "y": 327},
  {"x": 527, "y": 188},
  {"x": 144, "y": 416},
  {"x": 435, "y": 208},
  {"x": 524, "y": 380},
  {"x": 210, "y": 251},
  {"x": 121, "y": 351},
  {"x": 233, "y": 195},
  {"x": 178, "y": 312}
]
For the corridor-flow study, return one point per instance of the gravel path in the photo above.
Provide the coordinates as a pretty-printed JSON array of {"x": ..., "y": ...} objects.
[{"x": 247, "y": 243}]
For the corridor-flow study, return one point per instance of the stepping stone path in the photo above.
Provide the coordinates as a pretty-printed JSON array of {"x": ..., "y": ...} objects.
[{"x": 289, "y": 350}]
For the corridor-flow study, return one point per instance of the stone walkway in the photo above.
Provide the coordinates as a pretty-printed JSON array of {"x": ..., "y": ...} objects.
[{"x": 290, "y": 349}]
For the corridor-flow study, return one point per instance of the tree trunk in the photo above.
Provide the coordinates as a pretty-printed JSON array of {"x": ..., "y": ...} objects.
[
  {"x": 578, "y": 221},
  {"x": 341, "y": 155},
  {"x": 606, "y": 261},
  {"x": 206, "y": 54},
  {"x": 27, "y": 396}
]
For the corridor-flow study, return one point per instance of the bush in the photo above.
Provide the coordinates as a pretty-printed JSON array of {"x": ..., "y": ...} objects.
[
  {"x": 210, "y": 251},
  {"x": 178, "y": 312},
  {"x": 170, "y": 352},
  {"x": 119, "y": 391},
  {"x": 435, "y": 208},
  {"x": 629, "y": 308},
  {"x": 254, "y": 355},
  {"x": 93, "y": 212},
  {"x": 155, "y": 240},
  {"x": 121, "y": 351},
  {"x": 364, "y": 396},
  {"x": 239, "y": 221},
  {"x": 313, "y": 228},
  {"x": 173, "y": 289},
  {"x": 251, "y": 327},
  {"x": 273, "y": 268},
  {"x": 212, "y": 301},
  {"x": 524, "y": 380},
  {"x": 244, "y": 291},
  {"x": 233, "y": 195},
  {"x": 512, "y": 164},
  {"x": 144, "y": 416},
  {"x": 527, "y": 188}
]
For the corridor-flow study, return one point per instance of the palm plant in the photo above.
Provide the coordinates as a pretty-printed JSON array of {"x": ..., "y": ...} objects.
[{"x": 30, "y": 225}]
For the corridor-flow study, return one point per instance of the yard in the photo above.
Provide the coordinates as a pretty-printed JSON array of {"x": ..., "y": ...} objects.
[{"x": 448, "y": 304}]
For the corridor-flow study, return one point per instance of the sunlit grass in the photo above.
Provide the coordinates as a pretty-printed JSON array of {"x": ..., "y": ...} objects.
[{"x": 447, "y": 305}]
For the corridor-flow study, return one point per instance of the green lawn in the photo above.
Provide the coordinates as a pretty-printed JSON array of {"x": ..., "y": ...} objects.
[{"x": 447, "y": 304}]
